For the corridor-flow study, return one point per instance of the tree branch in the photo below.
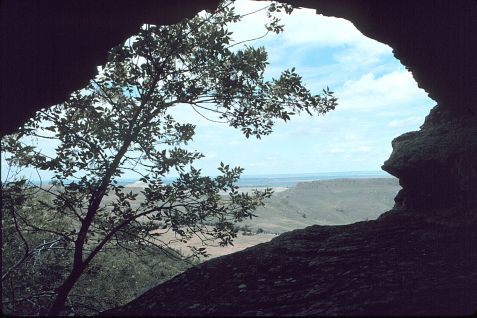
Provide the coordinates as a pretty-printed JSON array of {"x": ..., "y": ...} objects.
[{"x": 26, "y": 252}]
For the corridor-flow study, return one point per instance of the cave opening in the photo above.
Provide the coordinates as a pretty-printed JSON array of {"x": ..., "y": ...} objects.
[{"x": 354, "y": 134}]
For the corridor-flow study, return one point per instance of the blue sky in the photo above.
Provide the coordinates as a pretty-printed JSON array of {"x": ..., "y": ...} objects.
[{"x": 378, "y": 101}]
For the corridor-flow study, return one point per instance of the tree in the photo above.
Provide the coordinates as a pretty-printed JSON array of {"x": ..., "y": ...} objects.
[
  {"x": 35, "y": 261},
  {"x": 121, "y": 121}
]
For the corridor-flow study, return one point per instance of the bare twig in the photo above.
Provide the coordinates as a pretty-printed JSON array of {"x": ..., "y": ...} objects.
[
  {"x": 212, "y": 120},
  {"x": 26, "y": 252}
]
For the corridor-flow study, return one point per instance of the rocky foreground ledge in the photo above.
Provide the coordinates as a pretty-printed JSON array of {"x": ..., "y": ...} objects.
[{"x": 392, "y": 266}]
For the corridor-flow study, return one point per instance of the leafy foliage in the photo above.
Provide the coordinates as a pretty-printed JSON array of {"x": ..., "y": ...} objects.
[{"x": 121, "y": 121}]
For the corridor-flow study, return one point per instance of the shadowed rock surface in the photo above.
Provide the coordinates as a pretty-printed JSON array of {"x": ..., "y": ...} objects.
[
  {"x": 50, "y": 49},
  {"x": 392, "y": 266},
  {"x": 437, "y": 165}
]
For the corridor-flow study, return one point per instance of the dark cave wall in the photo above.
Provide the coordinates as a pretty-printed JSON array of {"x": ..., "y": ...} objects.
[
  {"x": 50, "y": 49},
  {"x": 437, "y": 165},
  {"x": 53, "y": 50},
  {"x": 48, "y": 52}
]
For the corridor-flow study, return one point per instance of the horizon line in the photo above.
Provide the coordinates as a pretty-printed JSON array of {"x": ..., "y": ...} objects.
[{"x": 328, "y": 173}]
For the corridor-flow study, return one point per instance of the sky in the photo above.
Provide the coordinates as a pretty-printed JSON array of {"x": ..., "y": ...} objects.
[{"x": 378, "y": 100}]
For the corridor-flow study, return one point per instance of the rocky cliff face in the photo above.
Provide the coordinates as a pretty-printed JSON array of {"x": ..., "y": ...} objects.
[{"x": 437, "y": 167}]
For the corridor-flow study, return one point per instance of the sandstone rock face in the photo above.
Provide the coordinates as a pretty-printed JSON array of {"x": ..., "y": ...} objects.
[{"x": 437, "y": 165}]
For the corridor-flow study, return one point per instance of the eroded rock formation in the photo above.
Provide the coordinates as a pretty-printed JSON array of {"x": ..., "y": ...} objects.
[{"x": 437, "y": 167}]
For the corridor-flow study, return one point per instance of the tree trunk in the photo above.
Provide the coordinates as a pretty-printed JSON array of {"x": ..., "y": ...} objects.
[{"x": 63, "y": 291}]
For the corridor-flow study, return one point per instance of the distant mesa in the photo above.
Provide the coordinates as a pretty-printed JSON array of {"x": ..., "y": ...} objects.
[{"x": 137, "y": 184}]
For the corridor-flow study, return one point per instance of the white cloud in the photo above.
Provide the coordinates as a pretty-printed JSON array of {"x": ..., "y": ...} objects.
[
  {"x": 362, "y": 149},
  {"x": 185, "y": 113},
  {"x": 337, "y": 150},
  {"x": 210, "y": 156},
  {"x": 369, "y": 92},
  {"x": 349, "y": 149},
  {"x": 362, "y": 53},
  {"x": 353, "y": 137},
  {"x": 303, "y": 26},
  {"x": 406, "y": 122},
  {"x": 235, "y": 142}
]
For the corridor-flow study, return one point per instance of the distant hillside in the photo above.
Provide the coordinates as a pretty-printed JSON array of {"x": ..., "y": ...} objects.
[{"x": 326, "y": 202}]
